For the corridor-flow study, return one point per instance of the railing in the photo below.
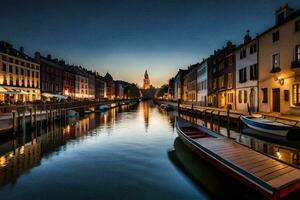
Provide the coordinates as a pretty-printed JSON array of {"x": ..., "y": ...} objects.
[{"x": 56, "y": 105}]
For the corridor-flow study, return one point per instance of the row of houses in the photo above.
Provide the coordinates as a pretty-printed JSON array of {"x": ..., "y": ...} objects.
[
  {"x": 28, "y": 79},
  {"x": 261, "y": 74}
]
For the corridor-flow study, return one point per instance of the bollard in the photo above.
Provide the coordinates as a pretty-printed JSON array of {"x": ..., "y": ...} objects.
[{"x": 228, "y": 122}]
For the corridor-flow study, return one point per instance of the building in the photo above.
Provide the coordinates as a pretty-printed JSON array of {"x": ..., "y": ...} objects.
[
  {"x": 19, "y": 75},
  {"x": 178, "y": 84},
  {"x": 51, "y": 74},
  {"x": 68, "y": 82},
  {"x": 110, "y": 86},
  {"x": 171, "y": 88},
  {"x": 202, "y": 83},
  {"x": 221, "y": 77},
  {"x": 190, "y": 84},
  {"x": 91, "y": 84},
  {"x": 120, "y": 88},
  {"x": 247, "y": 75},
  {"x": 279, "y": 64},
  {"x": 81, "y": 83},
  {"x": 146, "y": 81},
  {"x": 100, "y": 87}
]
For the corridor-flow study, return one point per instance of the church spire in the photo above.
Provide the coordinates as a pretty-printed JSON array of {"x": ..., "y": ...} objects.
[{"x": 146, "y": 81}]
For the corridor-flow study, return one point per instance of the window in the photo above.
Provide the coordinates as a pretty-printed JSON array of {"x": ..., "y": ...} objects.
[
  {"x": 297, "y": 53},
  {"x": 275, "y": 36},
  {"x": 11, "y": 82},
  {"x": 280, "y": 18},
  {"x": 37, "y": 74},
  {"x": 22, "y": 63},
  {"x": 265, "y": 95},
  {"x": 243, "y": 54},
  {"x": 297, "y": 25},
  {"x": 243, "y": 75},
  {"x": 221, "y": 81},
  {"x": 296, "y": 94},
  {"x": 252, "y": 48},
  {"x": 17, "y": 70},
  {"x": 10, "y": 69},
  {"x": 245, "y": 96},
  {"x": 28, "y": 73},
  {"x": 240, "y": 96},
  {"x": 4, "y": 58},
  {"x": 253, "y": 72},
  {"x": 11, "y": 60},
  {"x": 4, "y": 67},
  {"x": 22, "y": 71},
  {"x": 276, "y": 61},
  {"x": 17, "y": 61},
  {"x": 215, "y": 84},
  {"x": 230, "y": 80}
]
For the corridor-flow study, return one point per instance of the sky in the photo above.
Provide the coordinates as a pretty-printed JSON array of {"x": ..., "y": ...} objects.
[{"x": 126, "y": 37}]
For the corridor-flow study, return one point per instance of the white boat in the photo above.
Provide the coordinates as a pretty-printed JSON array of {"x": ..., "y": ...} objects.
[{"x": 267, "y": 125}]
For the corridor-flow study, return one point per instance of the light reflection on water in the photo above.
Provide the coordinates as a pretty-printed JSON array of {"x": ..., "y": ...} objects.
[{"x": 119, "y": 154}]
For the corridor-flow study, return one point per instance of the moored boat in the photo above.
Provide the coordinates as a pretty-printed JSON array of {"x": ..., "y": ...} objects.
[
  {"x": 166, "y": 107},
  {"x": 269, "y": 126},
  {"x": 103, "y": 108},
  {"x": 273, "y": 179}
]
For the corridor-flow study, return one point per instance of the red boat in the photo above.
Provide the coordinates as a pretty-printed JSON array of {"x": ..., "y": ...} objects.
[{"x": 270, "y": 177}]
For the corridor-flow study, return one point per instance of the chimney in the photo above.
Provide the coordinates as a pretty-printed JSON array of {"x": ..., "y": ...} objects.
[
  {"x": 22, "y": 49},
  {"x": 37, "y": 55},
  {"x": 247, "y": 37},
  {"x": 49, "y": 56},
  {"x": 282, "y": 13}
]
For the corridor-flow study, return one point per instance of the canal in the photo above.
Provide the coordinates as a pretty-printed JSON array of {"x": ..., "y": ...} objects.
[{"x": 130, "y": 152}]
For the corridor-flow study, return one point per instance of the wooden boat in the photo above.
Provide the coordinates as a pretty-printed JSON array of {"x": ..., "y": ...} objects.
[
  {"x": 273, "y": 179},
  {"x": 166, "y": 107},
  {"x": 268, "y": 126}
]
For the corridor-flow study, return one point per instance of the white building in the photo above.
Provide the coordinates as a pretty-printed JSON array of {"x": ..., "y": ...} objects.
[
  {"x": 247, "y": 75},
  {"x": 202, "y": 83}
]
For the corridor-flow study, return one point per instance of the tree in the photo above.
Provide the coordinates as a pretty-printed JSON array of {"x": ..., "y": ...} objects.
[{"x": 161, "y": 91}]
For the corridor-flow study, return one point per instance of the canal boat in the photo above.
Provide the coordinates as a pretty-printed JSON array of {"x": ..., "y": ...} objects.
[
  {"x": 103, "y": 108},
  {"x": 270, "y": 177},
  {"x": 269, "y": 126},
  {"x": 166, "y": 107}
]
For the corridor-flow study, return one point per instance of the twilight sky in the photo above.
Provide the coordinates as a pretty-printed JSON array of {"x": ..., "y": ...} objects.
[{"x": 126, "y": 37}]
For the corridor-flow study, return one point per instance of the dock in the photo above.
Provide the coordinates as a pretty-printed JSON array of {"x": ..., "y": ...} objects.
[{"x": 273, "y": 178}]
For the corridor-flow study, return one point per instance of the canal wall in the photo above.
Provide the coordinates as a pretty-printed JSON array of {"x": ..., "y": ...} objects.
[{"x": 17, "y": 117}]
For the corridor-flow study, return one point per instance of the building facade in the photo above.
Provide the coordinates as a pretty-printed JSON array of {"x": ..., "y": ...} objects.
[
  {"x": 91, "y": 84},
  {"x": 81, "y": 83},
  {"x": 202, "y": 83},
  {"x": 52, "y": 72},
  {"x": 100, "y": 87},
  {"x": 247, "y": 75},
  {"x": 190, "y": 83},
  {"x": 19, "y": 75},
  {"x": 110, "y": 86},
  {"x": 221, "y": 87},
  {"x": 68, "y": 82},
  {"x": 279, "y": 58}
]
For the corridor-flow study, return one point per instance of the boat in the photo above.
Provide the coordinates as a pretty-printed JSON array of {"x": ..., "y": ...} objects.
[
  {"x": 166, "y": 107},
  {"x": 103, "y": 108},
  {"x": 261, "y": 173},
  {"x": 269, "y": 126}
]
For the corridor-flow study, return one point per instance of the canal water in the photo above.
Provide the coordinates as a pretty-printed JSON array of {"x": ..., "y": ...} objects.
[{"x": 131, "y": 152}]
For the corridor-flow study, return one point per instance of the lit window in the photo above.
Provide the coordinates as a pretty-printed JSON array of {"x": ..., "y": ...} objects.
[
  {"x": 296, "y": 94},
  {"x": 276, "y": 61}
]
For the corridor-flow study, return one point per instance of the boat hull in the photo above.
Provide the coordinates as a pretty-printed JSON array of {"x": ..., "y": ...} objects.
[{"x": 267, "y": 128}]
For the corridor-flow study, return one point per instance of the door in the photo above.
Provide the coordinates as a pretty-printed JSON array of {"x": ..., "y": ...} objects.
[
  {"x": 252, "y": 100},
  {"x": 276, "y": 100}
]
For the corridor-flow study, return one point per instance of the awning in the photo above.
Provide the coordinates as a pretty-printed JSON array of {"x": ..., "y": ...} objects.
[
  {"x": 49, "y": 95},
  {"x": 5, "y": 90}
]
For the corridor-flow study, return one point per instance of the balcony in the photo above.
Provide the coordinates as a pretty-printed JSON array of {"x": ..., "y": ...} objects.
[{"x": 295, "y": 64}]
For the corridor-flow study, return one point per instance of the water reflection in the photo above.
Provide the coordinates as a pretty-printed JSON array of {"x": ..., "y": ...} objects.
[{"x": 23, "y": 152}]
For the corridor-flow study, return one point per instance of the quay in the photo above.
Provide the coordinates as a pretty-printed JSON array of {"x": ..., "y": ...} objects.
[
  {"x": 15, "y": 117},
  {"x": 224, "y": 116}
]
